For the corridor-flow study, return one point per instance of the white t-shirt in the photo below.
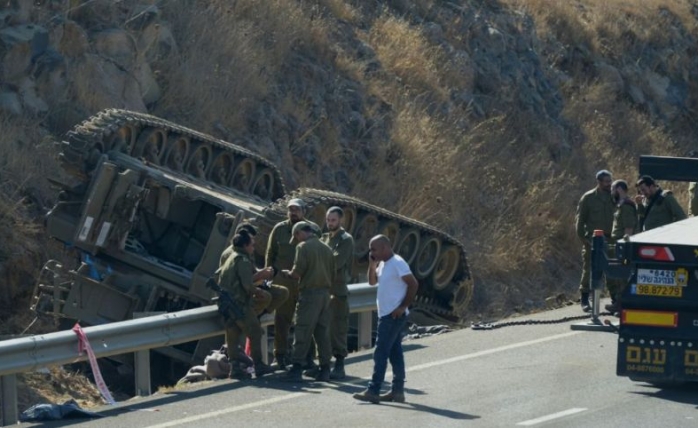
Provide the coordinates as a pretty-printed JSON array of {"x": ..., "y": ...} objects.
[{"x": 391, "y": 287}]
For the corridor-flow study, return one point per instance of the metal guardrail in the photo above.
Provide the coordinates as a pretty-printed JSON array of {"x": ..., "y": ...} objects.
[{"x": 138, "y": 335}]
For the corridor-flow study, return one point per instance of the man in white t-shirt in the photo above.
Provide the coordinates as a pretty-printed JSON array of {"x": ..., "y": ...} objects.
[{"x": 396, "y": 290}]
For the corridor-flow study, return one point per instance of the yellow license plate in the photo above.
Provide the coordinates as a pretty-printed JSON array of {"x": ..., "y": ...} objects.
[{"x": 659, "y": 290}]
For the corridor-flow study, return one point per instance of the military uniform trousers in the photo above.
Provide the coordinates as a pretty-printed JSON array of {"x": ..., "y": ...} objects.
[
  {"x": 269, "y": 299},
  {"x": 312, "y": 322},
  {"x": 249, "y": 326},
  {"x": 586, "y": 264},
  {"x": 339, "y": 325},
  {"x": 615, "y": 286},
  {"x": 283, "y": 317}
]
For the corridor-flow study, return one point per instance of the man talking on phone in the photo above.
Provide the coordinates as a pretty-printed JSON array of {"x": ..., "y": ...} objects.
[{"x": 397, "y": 287}]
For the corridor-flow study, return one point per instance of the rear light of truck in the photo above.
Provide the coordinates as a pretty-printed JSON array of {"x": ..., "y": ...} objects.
[
  {"x": 650, "y": 318},
  {"x": 660, "y": 254}
]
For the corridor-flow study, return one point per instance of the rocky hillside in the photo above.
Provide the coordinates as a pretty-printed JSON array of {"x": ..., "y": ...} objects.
[{"x": 486, "y": 118}]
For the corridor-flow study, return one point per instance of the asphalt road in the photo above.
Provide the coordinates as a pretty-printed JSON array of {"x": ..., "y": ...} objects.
[{"x": 537, "y": 375}]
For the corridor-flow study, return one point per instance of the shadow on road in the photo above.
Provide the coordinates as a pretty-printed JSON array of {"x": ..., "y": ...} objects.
[
  {"x": 451, "y": 414},
  {"x": 686, "y": 393}
]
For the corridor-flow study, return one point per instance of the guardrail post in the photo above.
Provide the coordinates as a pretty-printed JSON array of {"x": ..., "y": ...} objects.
[
  {"x": 265, "y": 345},
  {"x": 8, "y": 399},
  {"x": 364, "y": 329},
  {"x": 142, "y": 369}
]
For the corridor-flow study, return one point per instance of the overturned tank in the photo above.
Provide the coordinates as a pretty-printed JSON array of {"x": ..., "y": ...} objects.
[{"x": 154, "y": 204}]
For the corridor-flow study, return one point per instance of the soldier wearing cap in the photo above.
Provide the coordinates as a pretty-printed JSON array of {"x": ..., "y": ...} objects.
[
  {"x": 594, "y": 212},
  {"x": 314, "y": 268},
  {"x": 280, "y": 255}
]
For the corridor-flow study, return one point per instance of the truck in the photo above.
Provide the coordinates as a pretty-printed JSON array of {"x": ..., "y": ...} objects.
[
  {"x": 150, "y": 205},
  {"x": 658, "y": 327}
]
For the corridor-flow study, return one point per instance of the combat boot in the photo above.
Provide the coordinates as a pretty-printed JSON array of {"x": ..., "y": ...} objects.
[
  {"x": 369, "y": 396},
  {"x": 584, "y": 301},
  {"x": 311, "y": 369},
  {"x": 338, "y": 369},
  {"x": 280, "y": 362},
  {"x": 295, "y": 374},
  {"x": 238, "y": 373},
  {"x": 261, "y": 369},
  {"x": 323, "y": 374}
]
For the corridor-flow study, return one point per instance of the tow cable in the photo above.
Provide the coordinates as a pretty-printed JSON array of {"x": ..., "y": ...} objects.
[{"x": 493, "y": 326}]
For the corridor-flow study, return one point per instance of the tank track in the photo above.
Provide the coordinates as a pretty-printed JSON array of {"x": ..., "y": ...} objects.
[
  {"x": 446, "y": 294},
  {"x": 170, "y": 146}
]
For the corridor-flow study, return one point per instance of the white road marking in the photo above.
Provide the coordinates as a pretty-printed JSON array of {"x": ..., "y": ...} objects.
[
  {"x": 547, "y": 418},
  {"x": 491, "y": 351},
  {"x": 229, "y": 410},
  {"x": 409, "y": 369}
]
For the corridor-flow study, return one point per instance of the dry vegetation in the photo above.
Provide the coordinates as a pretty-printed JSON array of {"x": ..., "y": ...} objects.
[{"x": 502, "y": 177}]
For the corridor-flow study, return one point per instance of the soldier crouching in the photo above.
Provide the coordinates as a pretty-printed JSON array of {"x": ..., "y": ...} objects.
[{"x": 235, "y": 279}]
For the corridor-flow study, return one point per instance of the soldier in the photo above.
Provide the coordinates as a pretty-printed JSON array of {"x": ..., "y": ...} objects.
[
  {"x": 342, "y": 245},
  {"x": 624, "y": 224},
  {"x": 595, "y": 211},
  {"x": 280, "y": 255},
  {"x": 314, "y": 268},
  {"x": 656, "y": 207},
  {"x": 266, "y": 297},
  {"x": 235, "y": 277},
  {"x": 397, "y": 287}
]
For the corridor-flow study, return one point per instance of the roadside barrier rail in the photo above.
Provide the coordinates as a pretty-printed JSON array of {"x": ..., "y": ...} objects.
[{"x": 139, "y": 336}]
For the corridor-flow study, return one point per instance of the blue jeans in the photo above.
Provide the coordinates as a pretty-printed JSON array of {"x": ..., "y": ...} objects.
[{"x": 388, "y": 347}]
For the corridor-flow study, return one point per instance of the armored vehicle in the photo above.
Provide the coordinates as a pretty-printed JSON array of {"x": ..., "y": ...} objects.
[{"x": 154, "y": 204}]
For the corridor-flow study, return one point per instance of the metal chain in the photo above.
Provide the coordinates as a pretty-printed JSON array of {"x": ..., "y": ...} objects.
[{"x": 493, "y": 326}]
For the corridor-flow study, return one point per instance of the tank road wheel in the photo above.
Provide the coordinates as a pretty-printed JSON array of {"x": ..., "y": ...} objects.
[
  {"x": 391, "y": 229},
  {"x": 349, "y": 218},
  {"x": 317, "y": 213},
  {"x": 446, "y": 267},
  {"x": 176, "y": 152},
  {"x": 242, "y": 175},
  {"x": 366, "y": 228},
  {"x": 461, "y": 297},
  {"x": 263, "y": 184},
  {"x": 199, "y": 161},
  {"x": 221, "y": 169},
  {"x": 407, "y": 244},
  {"x": 150, "y": 144},
  {"x": 427, "y": 256},
  {"x": 122, "y": 140}
]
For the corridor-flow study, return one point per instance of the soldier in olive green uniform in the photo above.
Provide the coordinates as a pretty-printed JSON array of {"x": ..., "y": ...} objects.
[
  {"x": 342, "y": 245},
  {"x": 656, "y": 207},
  {"x": 267, "y": 299},
  {"x": 624, "y": 224},
  {"x": 280, "y": 256},
  {"x": 595, "y": 211},
  {"x": 314, "y": 268},
  {"x": 693, "y": 199},
  {"x": 235, "y": 277}
]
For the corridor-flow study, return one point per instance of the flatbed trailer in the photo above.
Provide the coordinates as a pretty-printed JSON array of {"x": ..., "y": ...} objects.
[{"x": 658, "y": 330}]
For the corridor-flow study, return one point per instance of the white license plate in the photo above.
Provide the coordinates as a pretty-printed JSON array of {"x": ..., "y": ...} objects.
[{"x": 664, "y": 277}]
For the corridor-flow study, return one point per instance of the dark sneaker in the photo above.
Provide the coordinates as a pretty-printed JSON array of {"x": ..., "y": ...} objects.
[
  {"x": 395, "y": 397},
  {"x": 585, "y": 302},
  {"x": 369, "y": 396},
  {"x": 612, "y": 308}
]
